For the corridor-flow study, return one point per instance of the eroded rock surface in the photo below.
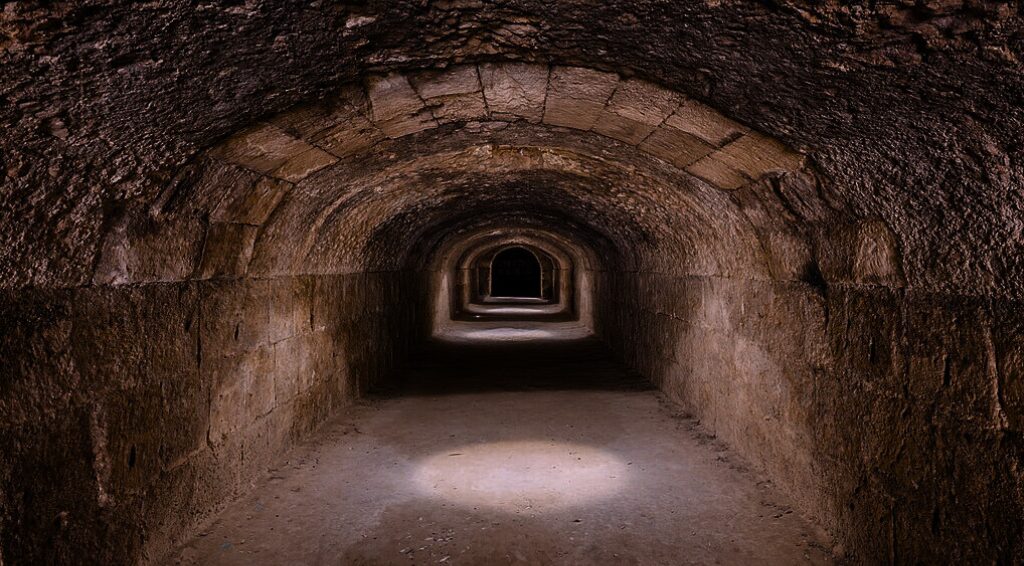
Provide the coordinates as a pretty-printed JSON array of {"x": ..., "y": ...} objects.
[{"x": 221, "y": 223}]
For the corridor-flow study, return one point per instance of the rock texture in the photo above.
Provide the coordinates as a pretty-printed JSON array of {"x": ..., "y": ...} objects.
[{"x": 220, "y": 223}]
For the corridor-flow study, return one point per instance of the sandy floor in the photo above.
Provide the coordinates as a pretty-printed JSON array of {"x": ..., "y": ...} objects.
[{"x": 511, "y": 452}]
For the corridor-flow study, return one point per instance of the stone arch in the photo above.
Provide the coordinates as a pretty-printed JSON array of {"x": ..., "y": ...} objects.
[{"x": 516, "y": 272}]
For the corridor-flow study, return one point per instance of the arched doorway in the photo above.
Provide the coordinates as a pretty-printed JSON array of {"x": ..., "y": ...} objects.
[{"x": 515, "y": 272}]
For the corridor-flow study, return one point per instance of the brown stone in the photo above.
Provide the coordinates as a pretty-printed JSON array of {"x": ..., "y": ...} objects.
[
  {"x": 877, "y": 258},
  {"x": 304, "y": 164},
  {"x": 252, "y": 205},
  {"x": 227, "y": 250},
  {"x": 717, "y": 173},
  {"x": 262, "y": 148},
  {"x": 846, "y": 322},
  {"x": 679, "y": 148},
  {"x": 754, "y": 155},
  {"x": 460, "y": 79},
  {"x": 165, "y": 248},
  {"x": 396, "y": 108},
  {"x": 577, "y": 96},
  {"x": 514, "y": 90},
  {"x": 704, "y": 122},
  {"x": 349, "y": 137},
  {"x": 458, "y": 107},
  {"x": 622, "y": 128},
  {"x": 643, "y": 102}
]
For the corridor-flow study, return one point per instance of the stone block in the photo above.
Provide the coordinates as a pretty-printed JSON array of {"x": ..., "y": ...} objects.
[
  {"x": 36, "y": 320},
  {"x": 252, "y": 204},
  {"x": 140, "y": 248},
  {"x": 306, "y": 121},
  {"x": 864, "y": 337},
  {"x": 877, "y": 258},
  {"x": 514, "y": 90},
  {"x": 576, "y": 96},
  {"x": 302, "y": 305},
  {"x": 396, "y": 108},
  {"x": 235, "y": 315},
  {"x": 259, "y": 373},
  {"x": 289, "y": 357},
  {"x": 214, "y": 182},
  {"x": 788, "y": 255},
  {"x": 322, "y": 360},
  {"x": 958, "y": 335},
  {"x": 313, "y": 120},
  {"x": 643, "y": 102},
  {"x": 676, "y": 147},
  {"x": 458, "y": 107},
  {"x": 227, "y": 412},
  {"x": 1008, "y": 345},
  {"x": 287, "y": 309},
  {"x": 717, "y": 173},
  {"x": 460, "y": 79},
  {"x": 268, "y": 438},
  {"x": 237, "y": 397},
  {"x": 170, "y": 507},
  {"x": 355, "y": 132},
  {"x": 262, "y": 148},
  {"x": 50, "y": 472},
  {"x": 835, "y": 251},
  {"x": 864, "y": 253},
  {"x": 704, "y": 122},
  {"x": 755, "y": 154},
  {"x": 304, "y": 164},
  {"x": 137, "y": 345},
  {"x": 621, "y": 128},
  {"x": 312, "y": 408},
  {"x": 350, "y": 137},
  {"x": 328, "y": 298},
  {"x": 392, "y": 97},
  {"x": 228, "y": 250}
]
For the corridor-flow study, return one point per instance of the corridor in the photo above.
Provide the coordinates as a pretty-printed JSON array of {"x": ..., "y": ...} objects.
[
  {"x": 484, "y": 282},
  {"x": 511, "y": 450}
]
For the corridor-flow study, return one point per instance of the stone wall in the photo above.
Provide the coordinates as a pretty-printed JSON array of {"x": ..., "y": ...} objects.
[
  {"x": 132, "y": 412},
  {"x": 893, "y": 416},
  {"x": 351, "y": 137}
]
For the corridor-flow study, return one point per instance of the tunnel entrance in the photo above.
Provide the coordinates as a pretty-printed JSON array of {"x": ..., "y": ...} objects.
[
  {"x": 515, "y": 272},
  {"x": 495, "y": 277}
]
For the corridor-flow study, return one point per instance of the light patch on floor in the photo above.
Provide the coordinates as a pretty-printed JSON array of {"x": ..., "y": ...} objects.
[
  {"x": 510, "y": 452},
  {"x": 511, "y": 331},
  {"x": 525, "y": 475}
]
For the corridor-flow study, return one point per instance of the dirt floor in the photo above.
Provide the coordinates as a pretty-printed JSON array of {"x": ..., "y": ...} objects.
[{"x": 507, "y": 451}]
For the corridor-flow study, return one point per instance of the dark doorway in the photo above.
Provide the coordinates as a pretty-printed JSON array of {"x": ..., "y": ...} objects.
[{"x": 515, "y": 272}]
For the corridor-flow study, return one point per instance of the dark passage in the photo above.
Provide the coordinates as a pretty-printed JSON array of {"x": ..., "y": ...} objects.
[{"x": 515, "y": 272}]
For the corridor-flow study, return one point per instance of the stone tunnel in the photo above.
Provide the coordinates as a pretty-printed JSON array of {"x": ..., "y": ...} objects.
[{"x": 412, "y": 282}]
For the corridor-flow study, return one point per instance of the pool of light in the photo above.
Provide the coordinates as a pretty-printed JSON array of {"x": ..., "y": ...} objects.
[{"x": 525, "y": 475}]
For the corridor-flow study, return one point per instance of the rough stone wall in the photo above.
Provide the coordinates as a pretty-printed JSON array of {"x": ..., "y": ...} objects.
[
  {"x": 132, "y": 412},
  {"x": 894, "y": 416},
  {"x": 909, "y": 112},
  {"x": 897, "y": 102}
]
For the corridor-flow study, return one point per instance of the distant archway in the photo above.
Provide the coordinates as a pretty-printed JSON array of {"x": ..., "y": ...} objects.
[{"x": 516, "y": 272}]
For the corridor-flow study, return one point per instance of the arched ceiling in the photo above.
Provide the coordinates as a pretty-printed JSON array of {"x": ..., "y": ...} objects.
[
  {"x": 360, "y": 179},
  {"x": 486, "y": 243},
  {"x": 105, "y": 103}
]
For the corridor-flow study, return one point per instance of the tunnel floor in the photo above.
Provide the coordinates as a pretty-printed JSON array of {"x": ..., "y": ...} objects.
[{"x": 502, "y": 451}]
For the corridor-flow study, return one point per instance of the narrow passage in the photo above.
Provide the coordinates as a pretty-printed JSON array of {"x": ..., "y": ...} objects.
[{"x": 498, "y": 451}]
